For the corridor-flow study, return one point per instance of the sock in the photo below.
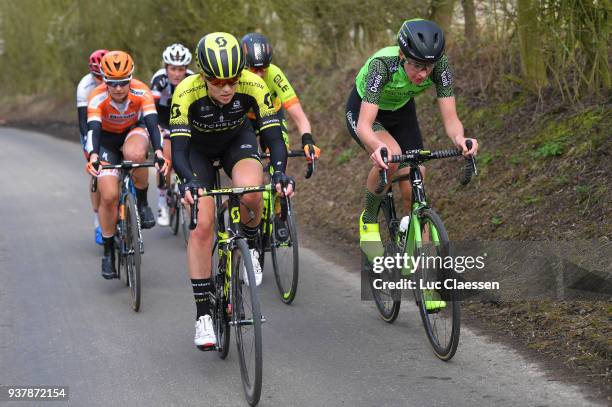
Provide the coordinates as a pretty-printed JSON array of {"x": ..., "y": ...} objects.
[
  {"x": 371, "y": 207},
  {"x": 200, "y": 288},
  {"x": 96, "y": 220},
  {"x": 161, "y": 197},
  {"x": 109, "y": 245},
  {"x": 141, "y": 196},
  {"x": 251, "y": 234}
]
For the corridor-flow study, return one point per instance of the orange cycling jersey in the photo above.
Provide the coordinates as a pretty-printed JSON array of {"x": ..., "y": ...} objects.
[{"x": 120, "y": 117}]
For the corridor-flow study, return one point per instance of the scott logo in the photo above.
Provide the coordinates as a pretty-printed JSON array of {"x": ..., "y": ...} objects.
[
  {"x": 222, "y": 42},
  {"x": 176, "y": 111}
]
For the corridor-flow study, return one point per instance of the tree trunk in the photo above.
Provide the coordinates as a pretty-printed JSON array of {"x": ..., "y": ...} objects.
[
  {"x": 530, "y": 39},
  {"x": 442, "y": 13},
  {"x": 471, "y": 30}
]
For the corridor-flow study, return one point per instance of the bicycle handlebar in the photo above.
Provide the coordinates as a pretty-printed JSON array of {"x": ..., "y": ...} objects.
[
  {"x": 419, "y": 156},
  {"x": 299, "y": 153},
  {"x": 221, "y": 191}
]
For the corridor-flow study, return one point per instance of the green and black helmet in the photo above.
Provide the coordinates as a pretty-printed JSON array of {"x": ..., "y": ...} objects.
[
  {"x": 220, "y": 56},
  {"x": 421, "y": 40}
]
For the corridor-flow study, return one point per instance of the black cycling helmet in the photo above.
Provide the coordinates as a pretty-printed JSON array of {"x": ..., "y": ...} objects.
[
  {"x": 421, "y": 40},
  {"x": 257, "y": 50},
  {"x": 219, "y": 55}
]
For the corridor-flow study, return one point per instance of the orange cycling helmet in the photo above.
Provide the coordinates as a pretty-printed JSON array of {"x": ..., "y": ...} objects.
[{"x": 117, "y": 65}]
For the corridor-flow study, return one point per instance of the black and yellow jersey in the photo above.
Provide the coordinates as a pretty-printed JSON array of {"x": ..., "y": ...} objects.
[
  {"x": 195, "y": 114},
  {"x": 196, "y": 120}
]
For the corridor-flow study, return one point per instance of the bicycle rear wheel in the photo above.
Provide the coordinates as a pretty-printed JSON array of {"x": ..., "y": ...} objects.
[
  {"x": 442, "y": 321},
  {"x": 285, "y": 252},
  {"x": 132, "y": 240},
  {"x": 387, "y": 300},
  {"x": 246, "y": 318}
]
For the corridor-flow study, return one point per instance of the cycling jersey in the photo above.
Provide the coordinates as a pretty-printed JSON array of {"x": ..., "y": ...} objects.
[
  {"x": 119, "y": 118},
  {"x": 281, "y": 91},
  {"x": 86, "y": 85},
  {"x": 162, "y": 90},
  {"x": 197, "y": 119},
  {"x": 383, "y": 81}
]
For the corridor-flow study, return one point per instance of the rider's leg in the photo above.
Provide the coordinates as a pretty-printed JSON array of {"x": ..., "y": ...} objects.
[{"x": 135, "y": 149}]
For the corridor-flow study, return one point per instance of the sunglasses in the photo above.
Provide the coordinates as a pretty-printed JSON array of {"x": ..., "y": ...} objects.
[
  {"x": 222, "y": 82},
  {"x": 122, "y": 83},
  {"x": 419, "y": 66}
]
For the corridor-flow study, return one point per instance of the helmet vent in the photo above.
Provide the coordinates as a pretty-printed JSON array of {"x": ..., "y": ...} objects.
[
  {"x": 436, "y": 39},
  {"x": 421, "y": 37}
]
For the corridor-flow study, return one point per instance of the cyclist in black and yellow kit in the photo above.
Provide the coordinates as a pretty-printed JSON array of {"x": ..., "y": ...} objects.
[
  {"x": 258, "y": 59},
  {"x": 208, "y": 121}
]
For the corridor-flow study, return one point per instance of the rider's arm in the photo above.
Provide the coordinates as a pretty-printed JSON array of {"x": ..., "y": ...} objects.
[
  {"x": 279, "y": 84},
  {"x": 180, "y": 130},
  {"x": 377, "y": 77},
  {"x": 180, "y": 157},
  {"x": 299, "y": 118},
  {"x": 149, "y": 114},
  {"x": 273, "y": 138},
  {"x": 82, "y": 112},
  {"x": 93, "y": 136},
  {"x": 452, "y": 124}
]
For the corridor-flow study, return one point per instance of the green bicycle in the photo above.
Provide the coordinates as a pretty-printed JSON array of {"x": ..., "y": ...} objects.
[{"x": 420, "y": 235}]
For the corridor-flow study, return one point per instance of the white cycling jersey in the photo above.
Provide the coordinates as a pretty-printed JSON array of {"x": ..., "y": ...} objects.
[{"x": 86, "y": 86}]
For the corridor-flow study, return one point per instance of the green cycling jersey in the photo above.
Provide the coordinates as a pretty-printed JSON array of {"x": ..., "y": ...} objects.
[{"x": 383, "y": 81}]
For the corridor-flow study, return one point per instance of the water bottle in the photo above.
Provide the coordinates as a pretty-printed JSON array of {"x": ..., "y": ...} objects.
[{"x": 403, "y": 227}]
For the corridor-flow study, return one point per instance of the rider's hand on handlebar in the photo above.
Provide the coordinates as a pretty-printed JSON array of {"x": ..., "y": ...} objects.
[
  {"x": 192, "y": 186},
  {"x": 92, "y": 167},
  {"x": 282, "y": 181},
  {"x": 311, "y": 149},
  {"x": 377, "y": 159},
  {"x": 468, "y": 152},
  {"x": 161, "y": 164}
]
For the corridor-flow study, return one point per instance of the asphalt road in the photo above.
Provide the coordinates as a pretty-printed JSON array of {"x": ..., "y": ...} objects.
[{"x": 62, "y": 324}]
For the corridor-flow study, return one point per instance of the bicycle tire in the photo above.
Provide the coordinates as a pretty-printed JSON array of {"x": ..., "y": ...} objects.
[
  {"x": 133, "y": 258},
  {"x": 285, "y": 255},
  {"x": 450, "y": 315},
  {"x": 184, "y": 220},
  {"x": 388, "y": 302},
  {"x": 246, "y": 317},
  {"x": 173, "y": 208},
  {"x": 221, "y": 322}
]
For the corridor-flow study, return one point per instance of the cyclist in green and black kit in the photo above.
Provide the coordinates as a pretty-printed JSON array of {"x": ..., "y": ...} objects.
[{"x": 381, "y": 112}]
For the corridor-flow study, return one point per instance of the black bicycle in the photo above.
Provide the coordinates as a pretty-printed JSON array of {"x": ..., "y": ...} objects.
[
  {"x": 234, "y": 301},
  {"x": 179, "y": 215},
  {"x": 279, "y": 236},
  {"x": 420, "y": 235}
]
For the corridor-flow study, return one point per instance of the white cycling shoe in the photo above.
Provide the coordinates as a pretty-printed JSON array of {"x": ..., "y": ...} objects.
[
  {"x": 256, "y": 268},
  {"x": 204, "y": 332},
  {"x": 163, "y": 217}
]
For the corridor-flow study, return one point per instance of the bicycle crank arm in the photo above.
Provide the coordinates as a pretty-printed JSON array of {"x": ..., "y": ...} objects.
[{"x": 246, "y": 321}]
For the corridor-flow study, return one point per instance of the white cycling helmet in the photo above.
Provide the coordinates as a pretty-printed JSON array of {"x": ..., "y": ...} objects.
[{"x": 177, "y": 54}]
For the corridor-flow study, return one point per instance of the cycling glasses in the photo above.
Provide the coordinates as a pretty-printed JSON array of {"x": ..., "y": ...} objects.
[
  {"x": 217, "y": 82},
  {"x": 420, "y": 66},
  {"x": 113, "y": 83}
]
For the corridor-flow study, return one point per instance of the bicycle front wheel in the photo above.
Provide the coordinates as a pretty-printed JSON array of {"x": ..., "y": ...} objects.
[
  {"x": 183, "y": 214},
  {"x": 132, "y": 259},
  {"x": 285, "y": 254},
  {"x": 173, "y": 208},
  {"x": 439, "y": 308},
  {"x": 246, "y": 318},
  {"x": 222, "y": 305},
  {"x": 387, "y": 300}
]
